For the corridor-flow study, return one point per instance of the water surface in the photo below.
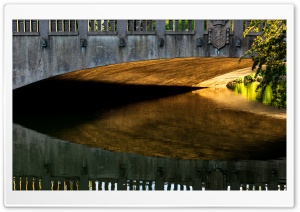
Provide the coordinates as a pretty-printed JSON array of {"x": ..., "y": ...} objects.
[
  {"x": 150, "y": 123},
  {"x": 250, "y": 92}
]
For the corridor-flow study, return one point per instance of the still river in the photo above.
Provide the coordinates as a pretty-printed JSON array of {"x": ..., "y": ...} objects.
[{"x": 72, "y": 135}]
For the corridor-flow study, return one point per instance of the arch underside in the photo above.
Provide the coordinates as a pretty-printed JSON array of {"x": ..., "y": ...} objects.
[{"x": 32, "y": 62}]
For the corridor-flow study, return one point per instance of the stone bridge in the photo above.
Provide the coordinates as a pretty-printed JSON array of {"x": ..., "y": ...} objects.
[{"x": 46, "y": 48}]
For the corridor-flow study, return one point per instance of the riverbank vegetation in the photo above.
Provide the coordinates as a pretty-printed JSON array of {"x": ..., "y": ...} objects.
[
  {"x": 269, "y": 50},
  {"x": 247, "y": 87}
]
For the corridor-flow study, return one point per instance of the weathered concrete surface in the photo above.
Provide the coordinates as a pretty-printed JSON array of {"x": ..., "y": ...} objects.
[
  {"x": 63, "y": 54},
  {"x": 32, "y": 63},
  {"x": 170, "y": 72}
]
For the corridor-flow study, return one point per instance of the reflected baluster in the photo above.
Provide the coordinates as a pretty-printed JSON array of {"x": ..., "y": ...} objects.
[{"x": 97, "y": 185}]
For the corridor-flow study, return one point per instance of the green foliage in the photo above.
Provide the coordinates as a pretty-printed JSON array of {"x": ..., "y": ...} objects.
[
  {"x": 248, "y": 78},
  {"x": 268, "y": 53},
  {"x": 249, "y": 90},
  {"x": 180, "y": 25}
]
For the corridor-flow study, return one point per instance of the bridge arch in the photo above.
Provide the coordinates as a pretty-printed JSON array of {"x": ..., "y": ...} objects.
[{"x": 46, "y": 48}]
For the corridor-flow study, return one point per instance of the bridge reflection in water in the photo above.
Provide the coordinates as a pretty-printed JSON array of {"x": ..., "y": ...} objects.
[
  {"x": 74, "y": 135},
  {"x": 44, "y": 163}
]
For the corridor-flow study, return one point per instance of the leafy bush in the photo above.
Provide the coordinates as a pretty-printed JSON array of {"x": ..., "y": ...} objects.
[{"x": 269, "y": 49}]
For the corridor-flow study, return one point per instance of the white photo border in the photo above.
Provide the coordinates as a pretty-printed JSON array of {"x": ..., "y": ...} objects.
[{"x": 143, "y": 198}]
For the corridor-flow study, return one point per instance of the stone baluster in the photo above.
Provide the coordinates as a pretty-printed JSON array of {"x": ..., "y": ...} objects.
[
  {"x": 67, "y": 25},
  {"x": 112, "y": 25},
  {"x": 64, "y": 185},
  {"x": 14, "y": 26},
  {"x": 137, "y": 185},
  {"x": 176, "y": 25},
  {"x": 60, "y": 184},
  {"x": 190, "y": 26},
  {"x": 96, "y": 188},
  {"x": 144, "y": 25},
  {"x": 72, "y": 25},
  {"x": 14, "y": 184},
  {"x": 99, "y": 26},
  {"x": 183, "y": 25},
  {"x": 23, "y": 183},
  {"x": 106, "y": 185},
  {"x": 150, "y": 25},
  {"x": 130, "y": 185},
  {"x": 17, "y": 183},
  {"x": 130, "y": 25},
  {"x": 178, "y": 187},
  {"x": 247, "y": 24},
  {"x": 105, "y": 25},
  {"x": 32, "y": 184},
  {"x": 27, "y": 26},
  {"x": 34, "y": 25},
  {"x": 171, "y": 25},
  {"x": 92, "y": 25},
  {"x": 71, "y": 185},
  {"x": 90, "y": 185},
  {"x": 59, "y": 25},
  {"x": 21, "y": 26},
  {"x": 137, "y": 25},
  {"x": 168, "y": 186},
  {"x": 113, "y": 183},
  {"x": 260, "y": 27},
  {"x": 144, "y": 185},
  {"x": 53, "y": 26}
]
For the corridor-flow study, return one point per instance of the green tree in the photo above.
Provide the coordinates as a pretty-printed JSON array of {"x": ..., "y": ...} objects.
[{"x": 268, "y": 53}]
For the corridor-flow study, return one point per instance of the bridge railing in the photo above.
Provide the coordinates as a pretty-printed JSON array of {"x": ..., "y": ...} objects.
[
  {"x": 180, "y": 27},
  {"x": 27, "y": 183},
  {"x": 102, "y": 27},
  {"x": 132, "y": 26},
  {"x": 25, "y": 27},
  {"x": 31, "y": 183},
  {"x": 247, "y": 24},
  {"x": 140, "y": 27},
  {"x": 122, "y": 28},
  {"x": 63, "y": 26}
]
